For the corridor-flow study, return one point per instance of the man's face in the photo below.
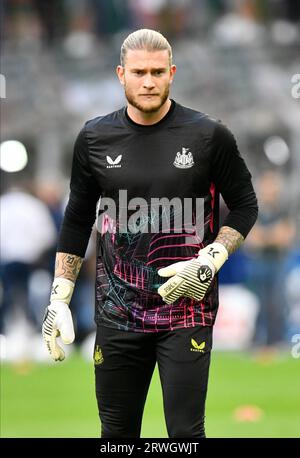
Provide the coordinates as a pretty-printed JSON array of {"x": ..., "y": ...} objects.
[{"x": 146, "y": 77}]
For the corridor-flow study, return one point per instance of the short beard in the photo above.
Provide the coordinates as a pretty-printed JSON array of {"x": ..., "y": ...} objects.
[{"x": 131, "y": 100}]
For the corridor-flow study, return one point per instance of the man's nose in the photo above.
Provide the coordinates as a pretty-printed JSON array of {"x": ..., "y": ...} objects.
[{"x": 148, "y": 82}]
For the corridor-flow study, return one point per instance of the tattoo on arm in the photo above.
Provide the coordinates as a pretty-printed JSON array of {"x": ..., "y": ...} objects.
[
  {"x": 230, "y": 238},
  {"x": 67, "y": 266}
]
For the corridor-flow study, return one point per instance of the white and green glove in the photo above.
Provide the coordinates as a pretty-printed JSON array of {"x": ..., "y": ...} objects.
[
  {"x": 192, "y": 278},
  {"x": 58, "y": 319}
]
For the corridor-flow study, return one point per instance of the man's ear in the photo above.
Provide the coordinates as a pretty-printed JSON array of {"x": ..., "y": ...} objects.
[
  {"x": 172, "y": 72},
  {"x": 120, "y": 73}
]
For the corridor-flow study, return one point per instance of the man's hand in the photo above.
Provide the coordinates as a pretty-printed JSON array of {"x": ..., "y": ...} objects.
[
  {"x": 57, "y": 322},
  {"x": 58, "y": 319},
  {"x": 192, "y": 278}
]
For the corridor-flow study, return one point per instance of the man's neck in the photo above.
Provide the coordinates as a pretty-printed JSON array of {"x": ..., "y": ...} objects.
[{"x": 147, "y": 119}]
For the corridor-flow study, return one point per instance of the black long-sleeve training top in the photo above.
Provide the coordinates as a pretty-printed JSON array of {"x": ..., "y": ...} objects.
[{"x": 154, "y": 192}]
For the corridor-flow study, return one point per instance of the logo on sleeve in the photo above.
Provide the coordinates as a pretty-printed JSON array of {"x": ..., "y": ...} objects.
[
  {"x": 114, "y": 163},
  {"x": 184, "y": 160}
]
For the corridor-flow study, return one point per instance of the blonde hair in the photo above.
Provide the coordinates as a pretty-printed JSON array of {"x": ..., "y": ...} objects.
[{"x": 148, "y": 39}]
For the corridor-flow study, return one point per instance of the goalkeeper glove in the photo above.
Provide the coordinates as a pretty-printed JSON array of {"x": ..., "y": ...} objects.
[
  {"x": 58, "y": 319},
  {"x": 192, "y": 278}
]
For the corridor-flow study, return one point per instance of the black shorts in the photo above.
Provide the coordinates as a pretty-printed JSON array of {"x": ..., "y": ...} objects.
[{"x": 124, "y": 364}]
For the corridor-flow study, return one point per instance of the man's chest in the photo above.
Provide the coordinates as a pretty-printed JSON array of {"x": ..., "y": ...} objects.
[{"x": 168, "y": 165}]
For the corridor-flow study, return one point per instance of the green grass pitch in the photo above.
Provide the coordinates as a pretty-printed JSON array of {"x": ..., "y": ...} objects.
[{"x": 57, "y": 400}]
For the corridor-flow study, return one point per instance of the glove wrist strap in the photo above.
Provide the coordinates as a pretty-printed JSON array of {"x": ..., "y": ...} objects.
[
  {"x": 216, "y": 253},
  {"x": 62, "y": 290}
]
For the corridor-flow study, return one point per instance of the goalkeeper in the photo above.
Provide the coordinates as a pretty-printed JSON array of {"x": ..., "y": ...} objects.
[{"x": 156, "y": 294}]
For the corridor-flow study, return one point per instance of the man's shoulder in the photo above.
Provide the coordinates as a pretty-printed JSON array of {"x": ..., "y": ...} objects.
[
  {"x": 203, "y": 120},
  {"x": 104, "y": 122}
]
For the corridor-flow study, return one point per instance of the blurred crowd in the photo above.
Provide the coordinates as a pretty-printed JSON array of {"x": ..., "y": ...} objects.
[
  {"x": 235, "y": 61},
  {"x": 53, "y": 20},
  {"x": 31, "y": 215}
]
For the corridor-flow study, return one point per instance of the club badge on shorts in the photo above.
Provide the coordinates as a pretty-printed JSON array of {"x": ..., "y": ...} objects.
[{"x": 98, "y": 357}]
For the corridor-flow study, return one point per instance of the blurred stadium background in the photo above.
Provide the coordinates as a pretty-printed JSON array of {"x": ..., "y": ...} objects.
[{"x": 238, "y": 60}]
